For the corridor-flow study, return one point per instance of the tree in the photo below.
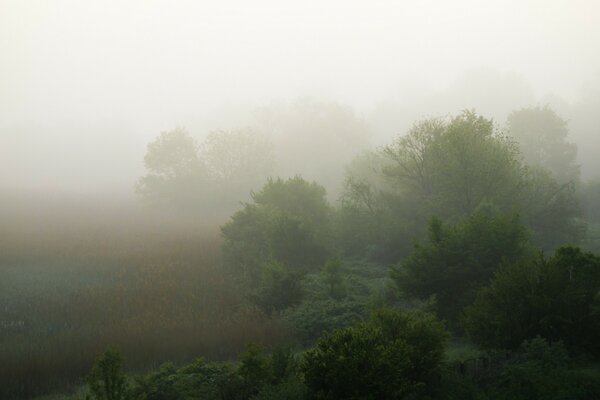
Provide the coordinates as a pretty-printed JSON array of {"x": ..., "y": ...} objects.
[
  {"x": 279, "y": 288},
  {"x": 450, "y": 168},
  {"x": 542, "y": 136},
  {"x": 373, "y": 219},
  {"x": 455, "y": 261},
  {"x": 551, "y": 209},
  {"x": 306, "y": 131},
  {"x": 556, "y": 298},
  {"x": 453, "y": 167},
  {"x": 107, "y": 381},
  {"x": 239, "y": 156},
  {"x": 215, "y": 173},
  {"x": 288, "y": 222},
  {"x": 394, "y": 356},
  {"x": 591, "y": 200},
  {"x": 175, "y": 172}
]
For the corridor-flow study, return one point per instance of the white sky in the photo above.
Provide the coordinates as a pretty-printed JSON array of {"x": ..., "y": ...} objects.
[{"x": 148, "y": 65}]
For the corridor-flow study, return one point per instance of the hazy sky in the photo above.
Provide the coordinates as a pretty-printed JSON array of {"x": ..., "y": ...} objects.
[{"x": 122, "y": 71}]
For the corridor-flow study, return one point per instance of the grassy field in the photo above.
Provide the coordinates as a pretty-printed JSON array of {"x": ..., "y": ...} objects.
[{"x": 75, "y": 280}]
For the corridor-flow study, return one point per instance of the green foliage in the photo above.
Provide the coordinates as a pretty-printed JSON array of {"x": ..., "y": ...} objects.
[
  {"x": 288, "y": 222},
  {"x": 449, "y": 168},
  {"x": 334, "y": 279},
  {"x": 455, "y": 261},
  {"x": 199, "y": 380},
  {"x": 107, "y": 381},
  {"x": 393, "y": 356},
  {"x": 279, "y": 288},
  {"x": 265, "y": 375},
  {"x": 315, "y": 316},
  {"x": 371, "y": 221},
  {"x": 455, "y": 166},
  {"x": 556, "y": 298},
  {"x": 541, "y": 370},
  {"x": 291, "y": 389},
  {"x": 255, "y": 370}
]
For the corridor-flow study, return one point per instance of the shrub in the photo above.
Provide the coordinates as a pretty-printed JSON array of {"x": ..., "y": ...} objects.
[
  {"x": 554, "y": 297},
  {"x": 394, "y": 355}
]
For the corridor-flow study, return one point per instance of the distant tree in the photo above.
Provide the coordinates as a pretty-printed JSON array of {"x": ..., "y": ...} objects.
[
  {"x": 219, "y": 171},
  {"x": 456, "y": 261},
  {"x": 557, "y": 298},
  {"x": 239, "y": 156},
  {"x": 306, "y": 130},
  {"x": 551, "y": 209},
  {"x": 591, "y": 200},
  {"x": 175, "y": 172},
  {"x": 543, "y": 139},
  {"x": 396, "y": 355}
]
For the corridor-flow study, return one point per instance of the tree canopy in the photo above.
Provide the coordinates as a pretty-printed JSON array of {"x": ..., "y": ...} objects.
[{"x": 455, "y": 261}]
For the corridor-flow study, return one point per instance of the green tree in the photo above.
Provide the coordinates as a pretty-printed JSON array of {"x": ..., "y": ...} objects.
[
  {"x": 107, "y": 381},
  {"x": 551, "y": 209},
  {"x": 394, "y": 356},
  {"x": 450, "y": 168},
  {"x": 556, "y": 298},
  {"x": 373, "y": 220},
  {"x": 456, "y": 261},
  {"x": 453, "y": 167},
  {"x": 288, "y": 222},
  {"x": 542, "y": 136},
  {"x": 279, "y": 288}
]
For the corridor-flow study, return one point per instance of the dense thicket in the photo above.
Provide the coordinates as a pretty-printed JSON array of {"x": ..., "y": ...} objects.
[{"x": 556, "y": 297}]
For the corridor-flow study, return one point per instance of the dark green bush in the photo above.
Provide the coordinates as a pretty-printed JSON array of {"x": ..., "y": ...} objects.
[
  {"x": 556, "y": 298},
  {"x": 455, "y": 261},
  {"x": 393, "y": 356}
]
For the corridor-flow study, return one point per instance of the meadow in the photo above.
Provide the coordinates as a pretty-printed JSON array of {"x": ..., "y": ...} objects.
[{"x": 76, "y": 277}]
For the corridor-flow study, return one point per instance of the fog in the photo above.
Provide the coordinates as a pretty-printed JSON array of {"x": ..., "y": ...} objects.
[
  {"x": 246, "y": 183},
  {"x": 86, "y": 85}
]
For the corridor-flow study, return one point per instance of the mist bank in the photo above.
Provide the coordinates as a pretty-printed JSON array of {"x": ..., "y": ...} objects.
[{"x": 102, "y": 157}]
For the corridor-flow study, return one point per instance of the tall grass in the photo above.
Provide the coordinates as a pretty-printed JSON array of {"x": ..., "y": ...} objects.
[{"x": 73, "y": 282}]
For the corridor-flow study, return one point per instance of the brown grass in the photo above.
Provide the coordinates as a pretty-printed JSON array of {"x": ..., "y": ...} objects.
[{"x": 74, "y": 281}]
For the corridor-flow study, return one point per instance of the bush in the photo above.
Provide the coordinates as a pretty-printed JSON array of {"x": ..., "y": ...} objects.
[
  {"x": 556, "y": 298},
  {"x": 314, "y": 317},
  {"x": 199, "y": 380},
  {"x": 394, "y": 355},
  {"x": 541, "y": 370}
]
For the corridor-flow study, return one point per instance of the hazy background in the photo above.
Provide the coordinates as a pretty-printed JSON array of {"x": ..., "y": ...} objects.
[{"x": 85, "y": 85}]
